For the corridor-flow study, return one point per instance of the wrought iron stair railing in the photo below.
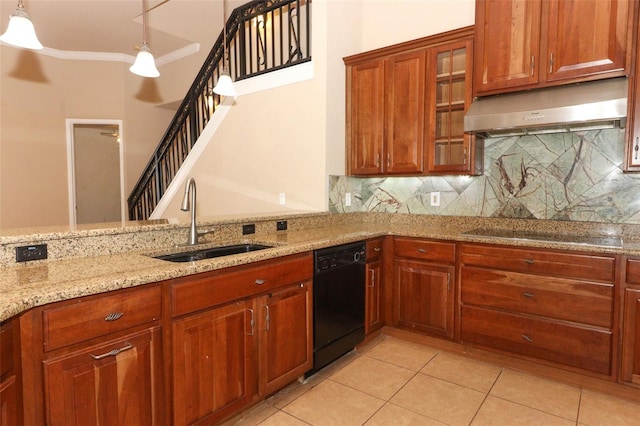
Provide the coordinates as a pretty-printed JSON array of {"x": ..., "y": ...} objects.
[{"x": 262, "y": 36}]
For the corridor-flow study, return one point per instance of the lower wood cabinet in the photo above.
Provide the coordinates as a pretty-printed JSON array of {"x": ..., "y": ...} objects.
[
  {"x": 551, "y": 306},
  {"x": 9, "y": 401},
  {"x": 285, "y": 332},
  {"x": 213, "y": 364},
  {"x": 373, "y": 291},
  {"x": 9, "y": 377},
  {"x": 630, "y": 371},
  {"x": 424, "y": 283},
  {"x": 114, "y": 383},
  {"x": 235, "y": 352}
]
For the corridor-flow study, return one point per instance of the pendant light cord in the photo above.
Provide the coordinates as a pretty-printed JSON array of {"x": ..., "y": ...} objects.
[{"x": 144, "y": 23}]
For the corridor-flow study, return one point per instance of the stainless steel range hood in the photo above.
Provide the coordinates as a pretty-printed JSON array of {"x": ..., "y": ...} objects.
[{"x": 584, "y": 106}]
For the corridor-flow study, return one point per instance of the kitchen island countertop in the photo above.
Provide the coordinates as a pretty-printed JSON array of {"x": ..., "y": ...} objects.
[{"x": 26, "y": 286}]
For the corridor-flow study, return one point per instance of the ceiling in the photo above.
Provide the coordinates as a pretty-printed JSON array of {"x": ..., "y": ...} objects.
[{"x": 115, "y": 26}]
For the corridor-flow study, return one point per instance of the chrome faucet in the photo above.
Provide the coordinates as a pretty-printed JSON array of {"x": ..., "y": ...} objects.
[{"x": 186, "y": 206}]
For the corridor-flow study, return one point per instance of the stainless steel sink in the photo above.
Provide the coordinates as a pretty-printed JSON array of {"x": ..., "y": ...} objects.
[{"x": 210, "y": 253}]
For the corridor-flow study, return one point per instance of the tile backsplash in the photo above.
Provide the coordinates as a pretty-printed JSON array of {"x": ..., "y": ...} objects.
[{"x": 566, "y": 176}]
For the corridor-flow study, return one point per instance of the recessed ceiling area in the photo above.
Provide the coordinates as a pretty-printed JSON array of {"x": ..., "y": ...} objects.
[{"x": 115, "y": 26}]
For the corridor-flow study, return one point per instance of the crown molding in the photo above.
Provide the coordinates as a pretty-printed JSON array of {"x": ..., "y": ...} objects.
[{"x": 176, "y": 55}]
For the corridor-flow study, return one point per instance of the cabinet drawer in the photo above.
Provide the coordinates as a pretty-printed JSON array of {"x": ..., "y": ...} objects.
[
  {"x": 85, "y": 319},
  {"x": 559, "y": 298},
  {"x": 210, "y": 289},
  {"x": 633, "y": 271},
  {"x": 575, "y": 346},
  {"x": 559, "y": 264},
  {"x": 374, "y": 249},
  {"x": 415, "y": 248}
]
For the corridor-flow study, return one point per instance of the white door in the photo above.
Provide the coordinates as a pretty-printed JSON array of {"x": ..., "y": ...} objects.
[{"x": 95, "y": 173}]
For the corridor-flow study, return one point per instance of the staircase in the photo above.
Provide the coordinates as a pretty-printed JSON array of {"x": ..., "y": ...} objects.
[{"x": 262, "y": 36}]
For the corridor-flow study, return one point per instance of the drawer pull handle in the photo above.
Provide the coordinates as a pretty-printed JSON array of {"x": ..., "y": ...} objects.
[
  {"x": 373, "y": 278},
  {"x": 252, "y": 322},
  {"x": 267, "y": 318},
  {"x": 529, "y": 261},
  {"x": 114, "y": 352},
  {"x": 260, "y": 282},
  {"x": 527, "y": 338},
  {"x": 376, "y": 249},
  {"x": 422, "y": 251},
  {"x": 528, "y": 295},
  {"x": 114, "y": 316}
]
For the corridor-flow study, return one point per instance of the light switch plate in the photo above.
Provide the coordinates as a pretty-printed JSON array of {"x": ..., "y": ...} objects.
[{"x": 435, "y": 199}]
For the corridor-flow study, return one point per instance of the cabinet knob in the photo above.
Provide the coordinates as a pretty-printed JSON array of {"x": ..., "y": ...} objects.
[
  {"x": 528, "y": 295},
  {"x": 259, "y": 281},
  {"x": 529, "y": 261},
  {"x": 376, "y": 249},
  {"x": 422, "y": 250},
  {"x": 527, "y": 338}
]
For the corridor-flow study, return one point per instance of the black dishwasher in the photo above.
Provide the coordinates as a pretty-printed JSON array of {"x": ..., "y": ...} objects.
[{"x": 338, "y": 301}]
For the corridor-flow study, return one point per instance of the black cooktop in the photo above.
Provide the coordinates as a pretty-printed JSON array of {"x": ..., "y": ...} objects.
[{"x": 592, "y": 240}]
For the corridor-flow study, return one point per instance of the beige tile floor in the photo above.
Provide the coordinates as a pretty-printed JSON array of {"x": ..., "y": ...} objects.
[{"x": 394, "y": 382}]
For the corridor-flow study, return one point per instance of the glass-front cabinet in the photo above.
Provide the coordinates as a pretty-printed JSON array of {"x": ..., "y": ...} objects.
[{"x": 450, "y": 150}]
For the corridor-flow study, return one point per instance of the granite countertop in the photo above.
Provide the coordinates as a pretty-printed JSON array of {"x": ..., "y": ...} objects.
[{"x": 26, "y": 286}]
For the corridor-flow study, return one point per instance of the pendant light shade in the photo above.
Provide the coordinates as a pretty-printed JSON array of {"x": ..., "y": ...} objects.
[
  {"x": 224, "y": 86},
  {"x": 20, "y": 31},
  {"x": 145, "y": 64}
]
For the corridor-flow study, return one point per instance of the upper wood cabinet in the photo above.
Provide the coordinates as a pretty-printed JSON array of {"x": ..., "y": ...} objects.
[
  {"x": 405, "y": 106},
  {"x": 365, "y": 117},
  {"x": 404, "y": 113},
  {"x": 449, "y": 82},
  {"x": 386, "y": 115},
  {"x": 535, "y": 43},
  {"x": 632, "y": 152}
]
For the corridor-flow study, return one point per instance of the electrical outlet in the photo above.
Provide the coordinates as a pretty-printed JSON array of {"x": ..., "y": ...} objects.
[
  {"x": 281, "y": 225},
  {"x": 249, "y": 229},
  {"x": 282, "y": 199},
  {"x": 347, "y": 199},
  {"x": 435, "y": 199},
  {"x": 27, "y": 253}
]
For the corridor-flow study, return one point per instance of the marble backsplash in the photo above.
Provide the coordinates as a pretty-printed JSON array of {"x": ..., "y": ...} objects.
[{"x": 565, "y": 176}]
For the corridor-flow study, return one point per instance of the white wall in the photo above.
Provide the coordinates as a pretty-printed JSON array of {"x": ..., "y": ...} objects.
[{"x": 290, "y": 139}]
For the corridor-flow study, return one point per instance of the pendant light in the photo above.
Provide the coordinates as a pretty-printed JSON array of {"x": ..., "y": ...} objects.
[
  {"x": 20, "y": 31},
  {"x": 224, "y": 86},
  {"x": 145, "y": 64}
]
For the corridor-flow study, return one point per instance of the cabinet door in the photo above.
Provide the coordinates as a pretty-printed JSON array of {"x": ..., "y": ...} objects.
[
  {"x": 9, "y": 402},
  {"x": 587, "y": 37},
  {"x": 405, "y": 113},
  {"x": 213, "y": 363},
  {"x": 632, "y": 151},
  {"x": 372, "y": 317},
  {"x": 449, "y": 149},
  {"x": 116, "y": 383},
  {"x": 365, "y": 106},
  {"x": 424, "y": 297},
  {"x": 631, "y": 338},
  {"x": 507, "y": 46},
  {"x": 286, "y": 330}
]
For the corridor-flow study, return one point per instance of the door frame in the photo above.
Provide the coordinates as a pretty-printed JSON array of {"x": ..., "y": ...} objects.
[{"x": 71, "y": 176}]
